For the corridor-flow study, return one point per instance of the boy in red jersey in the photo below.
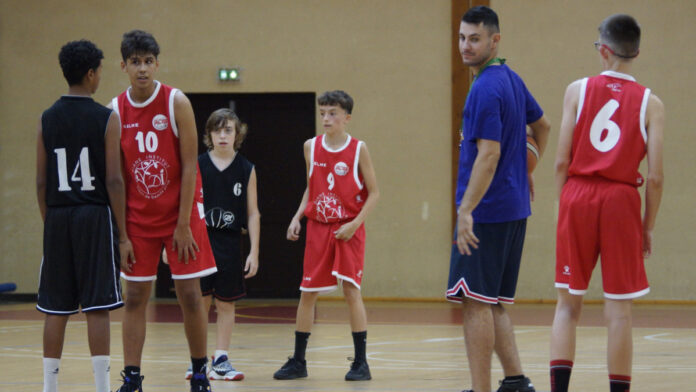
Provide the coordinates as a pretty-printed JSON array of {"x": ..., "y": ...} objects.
[
  {"x": 609, "y": 123},
  {"x": 164, "y": 205},
  {"x": 341, "y": 191}
]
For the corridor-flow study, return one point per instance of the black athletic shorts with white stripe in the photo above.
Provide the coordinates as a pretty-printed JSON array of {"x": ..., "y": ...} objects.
[{"x": 80, "y": 267}]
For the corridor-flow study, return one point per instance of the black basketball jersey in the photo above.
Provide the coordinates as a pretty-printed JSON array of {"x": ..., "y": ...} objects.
[
  {"x": 73, "y": 132},
  {"x": 225, "y": 192}
]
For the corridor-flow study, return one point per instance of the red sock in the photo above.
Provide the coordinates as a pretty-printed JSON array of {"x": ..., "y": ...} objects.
[
  {"x": 560, "y": 374},
  {"x": 618, "y": 383}
]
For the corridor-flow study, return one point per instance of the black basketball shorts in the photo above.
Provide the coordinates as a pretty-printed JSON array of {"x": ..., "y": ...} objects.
[
  {"x": 227, "y": 284},
  {"x": 80, "y": 267}
]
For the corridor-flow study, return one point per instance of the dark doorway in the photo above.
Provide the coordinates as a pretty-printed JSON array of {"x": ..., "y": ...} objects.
[{"x": 279, "y": 123}]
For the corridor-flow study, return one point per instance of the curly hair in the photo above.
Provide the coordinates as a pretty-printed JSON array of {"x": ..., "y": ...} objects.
[
  {"x": 138, "y": 42},
  {"x": 217, "y": 120},
  {"x": 77, "y": 58}
]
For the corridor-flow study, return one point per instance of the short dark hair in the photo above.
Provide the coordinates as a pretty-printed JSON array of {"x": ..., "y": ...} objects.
[
  {"x": 482, "y": 14},
  {"x": 621, "y": 33},
  {"x": 338, "y": 98},
  {"x": 138, "y": 42},
  {"x": 217, "y": 120},
  {"x": 77, "y": 58}
]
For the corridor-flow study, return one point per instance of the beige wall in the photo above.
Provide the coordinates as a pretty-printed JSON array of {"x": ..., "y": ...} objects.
[{"x": 393, "y": 57}]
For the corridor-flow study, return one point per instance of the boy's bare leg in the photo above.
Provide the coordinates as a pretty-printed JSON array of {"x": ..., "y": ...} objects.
[
  {"x": 188, "y": 292},
  {"x": 98, "y": 332},
  {"x": 305, "y": 311},
  {"x": 225, "y": 324},
  {"x": 479, "y": 338},
  {"x": 565, "y": 322},
  {"x": 358, "y": 316},
  {"x": 505, "y": 345},
  {"x": 54, "y": 335},
  {"x": 620, "y": 339},
  {"x": 133, "y": 326}
]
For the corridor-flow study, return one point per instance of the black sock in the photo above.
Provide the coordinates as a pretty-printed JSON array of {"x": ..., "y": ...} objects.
[
  {"x": 360, "y": 341},
  {"x": 513, "y": 379},
  {"x": 198, "y": 364},
  {"x": 132, "y": 373},
  {"x": 618, "y": 383},
  {"x": 560, "y": 374},
  {"x": 301, "y": 339}
]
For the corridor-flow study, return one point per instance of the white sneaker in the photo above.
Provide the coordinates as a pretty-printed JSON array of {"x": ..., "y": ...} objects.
[{"x": 223, "y": 370}]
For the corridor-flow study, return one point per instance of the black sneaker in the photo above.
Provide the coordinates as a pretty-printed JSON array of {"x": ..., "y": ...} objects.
[
  {"x": 131, "y": 384},
  {"x": 292, "y": 369},
  {"x": 359, "y": 371},
  {"x": 200, "y": 383},
  {"x": 523, "y": 385}
]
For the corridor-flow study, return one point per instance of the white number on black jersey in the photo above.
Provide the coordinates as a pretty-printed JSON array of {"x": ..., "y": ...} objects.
[
  {"x": 82, "y": 164},
  {"x": 149, "y": 142},
  {"x": 603, "y": 121}
]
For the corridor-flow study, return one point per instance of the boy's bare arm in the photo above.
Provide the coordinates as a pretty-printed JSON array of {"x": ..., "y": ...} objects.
[
  {"x": 188, "y": 152},
  {"x": 41, "y": 171},
  {"x": 655, "y": 119},
  {"x": 367, "y": 170},
  {"x": 293, "y": 233},
  {"x": 254, "y": 224},
  {"x": 565, "y": 137},
  {"x": 116, "y": 187}
]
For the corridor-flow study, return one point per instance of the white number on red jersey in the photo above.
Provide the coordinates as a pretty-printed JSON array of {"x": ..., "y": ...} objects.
[
  {"x": 82, "y": 164},
  {"x": 603, "y": 121},
  {"x": 330, "y": 180},
  {"x": 150, "y": 141}
]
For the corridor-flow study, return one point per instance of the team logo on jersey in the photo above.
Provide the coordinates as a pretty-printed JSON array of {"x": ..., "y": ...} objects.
[
  {"x": 615, "y": 87},
  {"x": 341, "y": 168},
  {"x": 160, "y": 122},
  {"x": 237, "y": 189},
  {"x": 329, "y": 208},
  {"x": 566, "y": 270},
  {"x": 151, "y": 176},
  {"x": 219, "y": 218}
]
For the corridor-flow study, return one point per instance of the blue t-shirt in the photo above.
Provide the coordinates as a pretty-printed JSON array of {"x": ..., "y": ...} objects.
[{"x": 498, "y": 108}]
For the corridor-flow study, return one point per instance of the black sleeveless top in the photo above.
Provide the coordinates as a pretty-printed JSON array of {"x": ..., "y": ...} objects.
[
  {"x": 73, "y": 131},
  {"x": 225, "y": 192}
]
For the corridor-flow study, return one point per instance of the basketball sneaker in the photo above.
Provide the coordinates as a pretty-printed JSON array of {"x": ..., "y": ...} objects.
[
  {"x": 131, "y": 384},
  {"x": 292, "y": 369},
  {"x": 359, "y": 371},
  {"x": 222, "y": 370},
  {"x": 522, "y": 385},
  {"x": 189, "y": 372},
  {"x": 199, "y": 383}
]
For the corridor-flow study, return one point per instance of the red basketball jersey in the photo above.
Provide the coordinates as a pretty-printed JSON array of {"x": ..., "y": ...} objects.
[
  {"x": 336, "y": 188},
  {"x": 609, "y": 140},
  {"x": 151, "y": 162}
]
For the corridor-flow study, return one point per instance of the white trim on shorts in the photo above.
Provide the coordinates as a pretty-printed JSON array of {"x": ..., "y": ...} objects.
[
  {"x": 198, "y": 274},
  {"x": 464, "y": 288},
  {"x": 138, "y": 278},
  {"x": 119, "y": 297},
  {"x": 100, "y": 307},
  {"x": 627, "y": 296},
  {"x": 57, "y": 312},
  {"x": 326, "y": 289},
  {"x": 345, "y": 278}
]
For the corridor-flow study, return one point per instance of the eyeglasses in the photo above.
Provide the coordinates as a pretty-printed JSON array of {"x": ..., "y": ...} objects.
[{"x": 598, "y": 45}]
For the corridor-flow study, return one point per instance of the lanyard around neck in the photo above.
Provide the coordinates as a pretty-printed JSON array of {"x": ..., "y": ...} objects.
[{"x": 494, "y": 60}]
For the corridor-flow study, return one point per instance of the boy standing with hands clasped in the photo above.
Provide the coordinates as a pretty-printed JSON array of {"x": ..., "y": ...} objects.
[{"x": 341, "y": 191}]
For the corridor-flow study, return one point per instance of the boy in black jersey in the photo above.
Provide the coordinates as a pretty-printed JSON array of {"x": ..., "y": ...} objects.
[
  {"x": 81, "y": 197},
  {"x": 229, "y": 197}
]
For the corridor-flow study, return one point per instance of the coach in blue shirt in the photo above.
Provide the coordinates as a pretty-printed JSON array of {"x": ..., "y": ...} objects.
[{"x": 493, "y": 196}]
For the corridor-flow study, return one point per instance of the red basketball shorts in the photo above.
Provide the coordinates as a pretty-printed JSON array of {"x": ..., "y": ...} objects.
[
  {"x": 148, "y": 251},
  {"x": 326, "y": 259},
  {"x": 600, "y": 217}
]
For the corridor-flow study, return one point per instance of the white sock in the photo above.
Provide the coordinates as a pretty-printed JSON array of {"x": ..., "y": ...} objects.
[
  {"x": 219, "y": 353},
  {"x": 101, "y": 368},
  {"x": 50, "y": 370}
]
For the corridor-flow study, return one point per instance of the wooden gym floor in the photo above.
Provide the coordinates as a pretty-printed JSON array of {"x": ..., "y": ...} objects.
[{"x": 411, "y": 347}]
